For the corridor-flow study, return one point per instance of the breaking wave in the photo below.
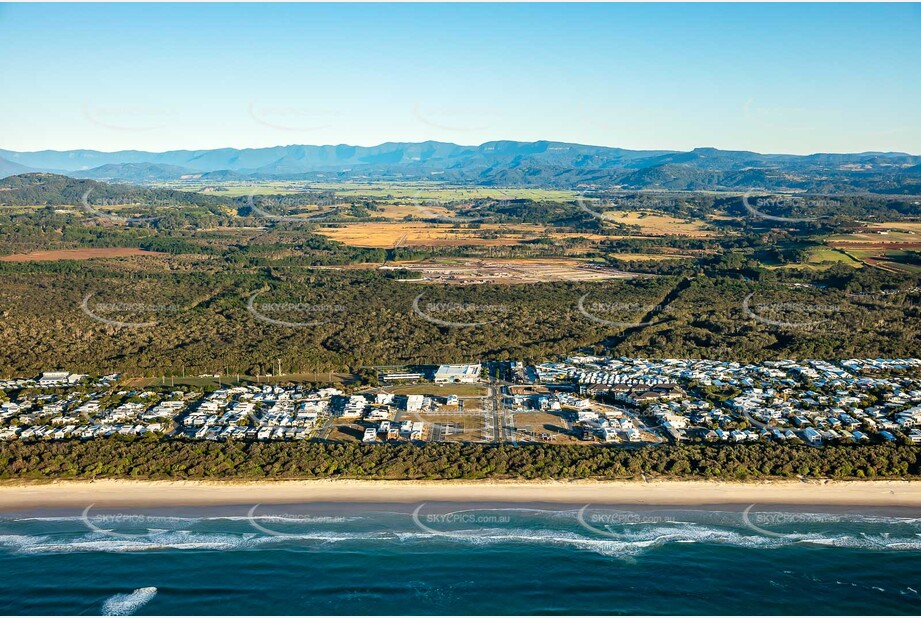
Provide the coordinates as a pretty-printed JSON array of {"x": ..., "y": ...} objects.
[
  {"x": 127, "y": 604},
  {"x": 631, "y": 540}
]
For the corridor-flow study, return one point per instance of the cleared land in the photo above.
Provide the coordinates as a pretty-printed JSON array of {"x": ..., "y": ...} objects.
[
  {"x": 906, "y": 226},
  {"x": 651, "y": 257},
  {"x": 240, "y": 380},
  {"x": 451, "y": 427},
  {"x": 439, "y": 390},
  {"x": 380, "y": 235},
  {"x": 882, "y": 245},
  {"x": 77, "y": 254},
  {"x": 459, "y": 271},
  {"x": 821, "y": 258},
  {"x": 886, "y": 239},
  {"x": 890, "y": 233},
  {"x": 420, "y": 210},
  {"x": 535, "y": 426},
  {"x": 885, "y": 258},
  {"x": 655, "y": 224}
]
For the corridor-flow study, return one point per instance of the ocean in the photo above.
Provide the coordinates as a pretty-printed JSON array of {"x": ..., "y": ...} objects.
[{"x": 441, "y": 558}]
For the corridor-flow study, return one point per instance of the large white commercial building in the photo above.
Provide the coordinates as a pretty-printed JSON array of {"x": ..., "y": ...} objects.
[{"x": 457, "y": 373}]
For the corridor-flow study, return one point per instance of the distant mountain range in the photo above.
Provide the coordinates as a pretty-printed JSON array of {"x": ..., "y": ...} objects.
[
  {"x": 8, "y": 168},
  {"x": 503, "y": 163}
]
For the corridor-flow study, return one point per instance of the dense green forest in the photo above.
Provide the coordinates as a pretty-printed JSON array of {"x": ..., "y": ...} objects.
[
  {"x": 198, "y": 321},
  {"x": 178, "y": 459},
  {"x": 737, "y": 293}
]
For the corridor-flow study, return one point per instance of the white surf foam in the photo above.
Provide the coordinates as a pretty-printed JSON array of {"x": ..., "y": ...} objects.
[
  {"x": 127, "y": 604},
  {"x": 625, "y": 541}
]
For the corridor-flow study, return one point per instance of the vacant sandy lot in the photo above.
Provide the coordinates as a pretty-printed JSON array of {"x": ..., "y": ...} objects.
[{"x": 470, "y": 271}]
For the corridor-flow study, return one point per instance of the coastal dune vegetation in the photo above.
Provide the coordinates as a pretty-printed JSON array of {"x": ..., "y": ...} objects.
[{"x": 159, "y": 459}]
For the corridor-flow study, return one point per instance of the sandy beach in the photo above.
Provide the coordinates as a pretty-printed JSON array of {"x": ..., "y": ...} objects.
[{"x": 117, "y": 493}]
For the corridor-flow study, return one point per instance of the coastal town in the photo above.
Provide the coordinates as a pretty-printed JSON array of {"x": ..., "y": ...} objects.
[{"x": 582, "y": 399}]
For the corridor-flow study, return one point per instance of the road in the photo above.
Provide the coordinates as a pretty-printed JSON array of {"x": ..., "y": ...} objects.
[
  {"x": 327, "y": 428},
  {"x": 490, "y": 416},
  {"x": 500, "y": 421},
  {"x": 441, "y": 431}
]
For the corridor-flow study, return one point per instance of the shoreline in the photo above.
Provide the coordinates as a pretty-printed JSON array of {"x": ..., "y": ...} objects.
[{"x": 22, "y": 496}]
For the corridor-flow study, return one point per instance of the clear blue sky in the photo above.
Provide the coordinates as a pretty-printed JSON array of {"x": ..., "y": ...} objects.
[{"x": 770, "y": 78}]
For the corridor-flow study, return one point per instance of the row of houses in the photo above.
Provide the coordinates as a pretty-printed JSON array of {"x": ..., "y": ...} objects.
[
  {"x": 854, "y": 400},
  {"x": 44, "y": 432},
  {"x": 259, "y": 413},
  {"x": 80, "y": 414}
]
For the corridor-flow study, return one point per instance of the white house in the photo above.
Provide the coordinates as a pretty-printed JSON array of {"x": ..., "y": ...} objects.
[{"x": 414, "y": 403}]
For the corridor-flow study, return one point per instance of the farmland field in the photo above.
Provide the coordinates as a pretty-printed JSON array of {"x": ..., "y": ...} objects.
[
  {"x": 653, "y": 224},
  {"x": 887, "y": 245},
  {"x": 883, "y": 245},
  {"x": 905, "y": 226},
  {"x": 826, "y": 256},
  {"x": 888, "y": 259}
]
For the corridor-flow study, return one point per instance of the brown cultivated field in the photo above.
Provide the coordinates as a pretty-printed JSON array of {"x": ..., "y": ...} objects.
[{"x": 77, "y": 254}]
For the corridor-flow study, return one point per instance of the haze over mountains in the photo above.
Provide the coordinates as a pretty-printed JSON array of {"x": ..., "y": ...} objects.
[{"x": 503, "y": 163}]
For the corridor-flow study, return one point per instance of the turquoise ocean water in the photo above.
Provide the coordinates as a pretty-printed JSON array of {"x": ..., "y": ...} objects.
[{"x": 443, "y": 558}]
